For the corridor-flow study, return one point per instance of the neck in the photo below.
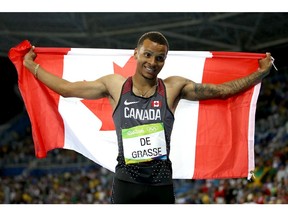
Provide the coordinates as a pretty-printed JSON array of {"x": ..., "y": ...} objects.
[
  {"x": 145, "y": 87},
  {"x": 143, "y": 81}
]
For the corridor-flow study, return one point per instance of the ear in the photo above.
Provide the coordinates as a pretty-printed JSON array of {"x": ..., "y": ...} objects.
[{"x": 135, "y": 53}]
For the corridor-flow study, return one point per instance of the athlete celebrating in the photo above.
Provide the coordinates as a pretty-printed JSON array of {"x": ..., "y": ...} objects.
[{"x": 144, "y": 107}]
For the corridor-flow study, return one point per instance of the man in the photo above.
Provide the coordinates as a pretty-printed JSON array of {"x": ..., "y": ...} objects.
[{"x": 144, "y": 107}]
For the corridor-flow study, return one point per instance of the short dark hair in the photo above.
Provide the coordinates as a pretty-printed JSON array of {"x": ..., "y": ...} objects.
[{"x": 154, "y": 36}]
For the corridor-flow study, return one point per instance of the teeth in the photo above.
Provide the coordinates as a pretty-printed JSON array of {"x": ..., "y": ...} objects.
[{"x": 150, "y": 69}]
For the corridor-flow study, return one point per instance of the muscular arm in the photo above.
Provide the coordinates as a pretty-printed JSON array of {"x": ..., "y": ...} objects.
[
  {"x": 102, "y": 87},
  {"x": 195, "y": 91}
]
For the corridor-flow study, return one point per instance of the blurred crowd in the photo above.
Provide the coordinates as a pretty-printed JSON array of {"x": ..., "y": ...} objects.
[{"x": 68, "y": 177}]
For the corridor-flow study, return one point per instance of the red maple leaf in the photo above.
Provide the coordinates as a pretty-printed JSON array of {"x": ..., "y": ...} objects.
[{"x": 102, "y": 108}]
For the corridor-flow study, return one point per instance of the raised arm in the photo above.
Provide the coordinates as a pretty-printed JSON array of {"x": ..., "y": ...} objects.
[
  {"x": 102, "y": 87},
  {"x": 195, "y": 91}
]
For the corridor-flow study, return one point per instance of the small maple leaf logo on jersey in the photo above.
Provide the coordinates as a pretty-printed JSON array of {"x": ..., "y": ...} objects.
[{"x": 156, "y": 103}]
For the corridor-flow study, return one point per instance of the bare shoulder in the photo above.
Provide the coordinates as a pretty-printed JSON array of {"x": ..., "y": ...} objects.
[
  {"x": 112, "y": 79},
  {"x": 177, "y": 82},
  {"x": 108, "y": 83},
  {"x": 180, "y": 88},
  {"x": 113, "y": 83},
  {"x": 174, "y": 87},
  {"x": 174, "y": 80}
]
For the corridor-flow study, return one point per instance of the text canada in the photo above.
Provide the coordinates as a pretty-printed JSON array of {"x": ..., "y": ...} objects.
[{"x": 142, "y": 114}]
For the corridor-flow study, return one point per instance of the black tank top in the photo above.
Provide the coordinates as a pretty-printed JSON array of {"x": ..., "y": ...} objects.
[{"x": 143, "y": 127}]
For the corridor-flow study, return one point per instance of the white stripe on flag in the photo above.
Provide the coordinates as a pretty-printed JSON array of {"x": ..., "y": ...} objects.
[
  {"x": 251, "y": 129},
  {"x": 183, "y": 139},
  {"x": 82, "y": 126}
]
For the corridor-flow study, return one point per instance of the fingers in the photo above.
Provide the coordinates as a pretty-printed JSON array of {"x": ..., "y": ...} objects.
[
  {"x": 30, "y": 54},
  {"x": 33, "y": 52},
  {"x": 32, "y": 48},
  {"x": 268, "y": 57}
]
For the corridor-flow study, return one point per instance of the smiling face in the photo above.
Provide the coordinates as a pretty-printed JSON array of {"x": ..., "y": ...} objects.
[{"x": 150, "y": 58}]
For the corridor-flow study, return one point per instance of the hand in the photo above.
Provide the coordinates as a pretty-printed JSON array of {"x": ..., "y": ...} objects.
[
  {"x": 29, "y": 56},
  {"x": 265, "y": 64}
]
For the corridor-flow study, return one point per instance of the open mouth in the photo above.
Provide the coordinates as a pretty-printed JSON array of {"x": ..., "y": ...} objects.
[{"x": 150, "y": 70}]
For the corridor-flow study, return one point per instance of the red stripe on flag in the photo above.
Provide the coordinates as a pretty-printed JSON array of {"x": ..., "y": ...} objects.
[
  {"x": 41, "y": 103},
  {"x": 222, "y": 136}
]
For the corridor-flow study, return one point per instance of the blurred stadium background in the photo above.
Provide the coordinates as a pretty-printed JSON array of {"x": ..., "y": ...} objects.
[{"x": 68, "y": 177}]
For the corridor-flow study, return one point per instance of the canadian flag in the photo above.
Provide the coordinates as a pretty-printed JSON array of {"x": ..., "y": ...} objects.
[
  {"x": 156, "y": 103},
  {"x": 210, "y": 139}
]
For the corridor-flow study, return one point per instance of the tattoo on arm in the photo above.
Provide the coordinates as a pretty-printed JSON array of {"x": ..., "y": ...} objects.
[
  {"x": 197, "y": 91},
  {"x": 225, "y": 90},
  {"x": 244, "y": 83},
  {"x": 206, "y": 91}
]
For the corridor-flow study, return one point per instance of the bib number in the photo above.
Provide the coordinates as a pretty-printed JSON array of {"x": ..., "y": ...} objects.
[{"x": 144, "y": 143}]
